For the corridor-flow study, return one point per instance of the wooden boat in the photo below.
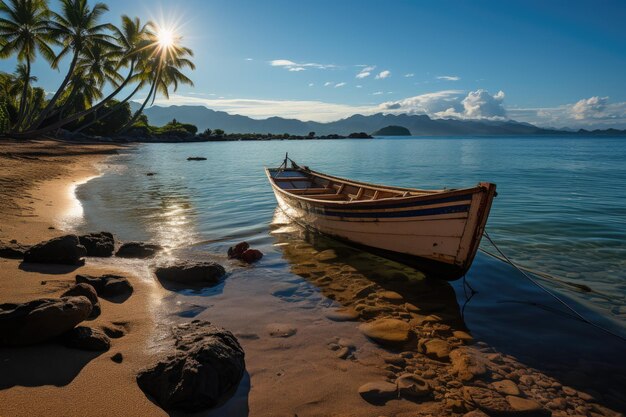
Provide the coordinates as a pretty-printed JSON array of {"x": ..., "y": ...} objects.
[{"x": 437, "y": 231}]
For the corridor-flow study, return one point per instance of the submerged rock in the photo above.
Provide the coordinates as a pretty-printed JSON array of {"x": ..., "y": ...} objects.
[
  {"x": 88, "y": 291},
  {"x": 281, "y": 330},
  {"x": 101, "y": 244},
  {"x": 243, "y": 252},
  {"x": 65, "y": 250},
  {"x": 467, "y": 364},
  {"x": 202, "y": 373},
  {"x": 12, "y": 250},
  {"x": 378, "y": 392},
  {"x": 387, "y": 331},
  {"x": 86, "y": 338},
  {"x": 526, "y": 407},
  {"x": 192, "y": 273},
  {"x": 41, "y": 320},
  {"x": 413, "y": 387},
  {"x": 107, "y": 285},
  {"x": 139, "y": 250}
]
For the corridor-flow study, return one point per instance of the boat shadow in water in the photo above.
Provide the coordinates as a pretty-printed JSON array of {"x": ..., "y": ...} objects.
[{"x": 365, "y": 287}]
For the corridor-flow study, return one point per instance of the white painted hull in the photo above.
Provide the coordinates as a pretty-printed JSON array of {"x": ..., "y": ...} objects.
[{"x": 442, "y": 230}]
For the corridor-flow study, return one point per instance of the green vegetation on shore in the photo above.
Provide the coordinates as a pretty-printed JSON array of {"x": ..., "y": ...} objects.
[{"x": 124, "y": 59}]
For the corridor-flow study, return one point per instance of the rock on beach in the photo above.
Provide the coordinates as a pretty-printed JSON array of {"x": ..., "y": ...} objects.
[
  {"x": 203, "y": 371},
  {"x": 191, "y": 273},
  {"x": 107, "y": 285},
  {"x": 65, "y": 250},
  {"x": 387, "y": 331},
  {"x": 101, "y": 244},
  {"x": 138, "y": 250}
]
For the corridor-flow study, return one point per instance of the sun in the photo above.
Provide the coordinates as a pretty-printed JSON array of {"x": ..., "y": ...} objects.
[{"x": 166, "y": 38}]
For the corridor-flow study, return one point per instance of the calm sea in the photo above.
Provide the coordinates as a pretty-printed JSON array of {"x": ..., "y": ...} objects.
[{"x": 561, "y": 209}]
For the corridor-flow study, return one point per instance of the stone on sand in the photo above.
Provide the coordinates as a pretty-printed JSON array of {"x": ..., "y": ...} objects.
[
  {"x": 202, "y": 373},
  {"x": 65, "y": 250},
  {"x": 101, "y": 244},
  {"x": 387, "y": 331},
  {"x": 463, "y": 336},
  {"x": 378, "y": 392},
  {"x": 139, "y": 250},
  {"x": 527, "y": 407},
  {"x": 506, "y": 387},
  {"x": 192, "y": 273},
  {"x": 107, "y": 285},
  {"x": 41, "y": 320},
  {"x": 281, "y": 330},
  {"x": 12, "y": 250},
  {"x": 88, "y": 291},
  {"x": 391, "y": 296},
  {"x": 411, "y": 386},
  {"x": 487, "y": 400},
  {"x": 87, "y": 338},
  {"x": 437, "y": 349},
  {"x": 343, "y": 314},
  {"x": 467, "y": 364}
]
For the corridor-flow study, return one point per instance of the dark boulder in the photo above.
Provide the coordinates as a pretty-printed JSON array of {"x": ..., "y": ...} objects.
[
  {"x": 12, "y": 250},
  {"x": 88, "y": 291},
  {"x": 202, "y": 373},
  {"x": 101, "y": 244},
  {"x": 138, "y": 250},
  {"x": 41, "y": 320},
  {"x": 86, "y": 338},
  {"x": 243, "y": 252},
  {"x": 251, "y": 256},
  {"x": 107, "y": 285},
  {"x": 191, "y": 273},
  {"x": 235, "y": 252},
  {"x": 65, "y": 250}
]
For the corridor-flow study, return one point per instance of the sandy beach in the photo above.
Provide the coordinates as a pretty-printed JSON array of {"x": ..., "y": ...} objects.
[
  {"x": 382, "y": 328},
  {"x": 37, "y": 201}
]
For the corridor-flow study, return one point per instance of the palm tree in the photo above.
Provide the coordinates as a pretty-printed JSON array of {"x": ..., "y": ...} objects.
[
  {"x": 78, "y": 29},
  {"x": 24, "y": 28},
  {"x": 163, "y": 70},
  {"x": 104, "y": 61}
]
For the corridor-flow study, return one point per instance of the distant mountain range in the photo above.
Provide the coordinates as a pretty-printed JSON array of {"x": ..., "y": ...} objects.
[{"x": 418, "y": 125}]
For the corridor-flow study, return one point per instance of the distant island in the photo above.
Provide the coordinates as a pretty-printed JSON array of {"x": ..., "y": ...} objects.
[{"x": 392, "y": 131}]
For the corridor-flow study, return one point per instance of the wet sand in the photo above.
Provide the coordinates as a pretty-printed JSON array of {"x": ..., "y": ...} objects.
[
  {"x": 37, "y": 202},
  {"x": 307, "y": 353}
]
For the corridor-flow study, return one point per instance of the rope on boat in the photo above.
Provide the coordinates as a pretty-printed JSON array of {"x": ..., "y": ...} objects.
[{"x": 526, "y": 273}]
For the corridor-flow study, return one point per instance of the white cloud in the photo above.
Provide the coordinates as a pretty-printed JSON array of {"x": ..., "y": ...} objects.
[
  {"x": 294, "y": 66},
  {"x": 339, "y": 85},
  {"x": 328, "y": 83},
  {"x": 359, "y": 86},
  {"x": 449, "y": 77},
  {"x": 311, "y": 84},
  {"x": 249, "y": 59},
  {"x": 365, "y": 72},
  {"x": 452, "y": 104},
  {"x": 409, "y": 75},
  {"x": 383, "y": 74},
  {"x": 377, "y": 93},
  {"x": 590, "y": 113}
]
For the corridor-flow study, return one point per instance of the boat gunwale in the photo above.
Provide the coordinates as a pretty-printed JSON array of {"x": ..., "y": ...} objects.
[{"x": 432, "y": 194}]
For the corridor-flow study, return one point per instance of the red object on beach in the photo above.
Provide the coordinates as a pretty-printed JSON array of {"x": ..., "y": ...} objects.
[{"x": 251, "y": 256}]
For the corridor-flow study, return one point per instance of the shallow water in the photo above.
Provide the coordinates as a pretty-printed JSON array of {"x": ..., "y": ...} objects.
[{"x": 561, "y": 209}]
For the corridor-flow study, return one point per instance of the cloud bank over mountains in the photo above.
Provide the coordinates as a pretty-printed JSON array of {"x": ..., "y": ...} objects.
[{"x": 590, "y": 113}]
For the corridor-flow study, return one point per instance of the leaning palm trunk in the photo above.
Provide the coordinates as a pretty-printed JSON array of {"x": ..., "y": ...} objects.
[
  {"x": 87, "y": 112},
  {"x": 23, "y": 100},
  {"x": 132, "y": 121},
  {"x": 110, "y": 111},
  {"x": 56, "y": 96}
]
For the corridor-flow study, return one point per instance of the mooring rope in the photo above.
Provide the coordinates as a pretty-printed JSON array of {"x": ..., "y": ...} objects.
[{"x": 576, "y": 314}]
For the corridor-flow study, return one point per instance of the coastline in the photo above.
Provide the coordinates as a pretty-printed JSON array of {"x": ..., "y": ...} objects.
[
  {"x": 301, "y": 373},
  {"x": 37, "y": 182}
]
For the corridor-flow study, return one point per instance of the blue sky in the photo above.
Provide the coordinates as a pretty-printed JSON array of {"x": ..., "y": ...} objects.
[{"x": 554, "y": 63}]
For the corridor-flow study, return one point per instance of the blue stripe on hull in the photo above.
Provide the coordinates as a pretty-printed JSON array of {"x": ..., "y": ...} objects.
[{"x": 393, "y": 214}]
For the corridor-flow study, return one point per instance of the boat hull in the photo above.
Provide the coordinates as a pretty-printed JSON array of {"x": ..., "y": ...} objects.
[{"x": 438, "y": 234}]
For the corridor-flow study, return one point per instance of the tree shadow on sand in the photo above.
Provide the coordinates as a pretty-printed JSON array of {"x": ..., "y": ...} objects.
[{"x": 45, "y": 364}]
